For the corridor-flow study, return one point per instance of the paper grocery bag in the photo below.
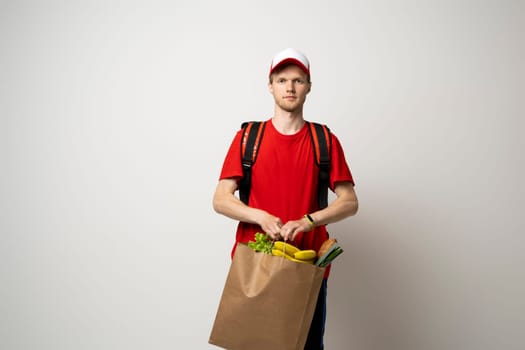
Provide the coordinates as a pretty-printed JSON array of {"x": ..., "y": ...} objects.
[{"x": 267, "y": 303}]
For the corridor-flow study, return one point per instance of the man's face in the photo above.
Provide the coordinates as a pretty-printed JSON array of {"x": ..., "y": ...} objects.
[{"x": 289, "y": 88}]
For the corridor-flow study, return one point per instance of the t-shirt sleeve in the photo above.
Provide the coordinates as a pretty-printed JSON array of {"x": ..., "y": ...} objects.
[
  {"x": 232, "y": 167},
  {"x": 339, "y": 171}
]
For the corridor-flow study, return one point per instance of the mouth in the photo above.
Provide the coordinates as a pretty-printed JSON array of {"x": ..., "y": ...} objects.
[{"x": 290, "y": 97}]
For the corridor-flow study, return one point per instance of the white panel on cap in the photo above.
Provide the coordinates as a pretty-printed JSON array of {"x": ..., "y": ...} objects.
[{"x": 290, "y": 53}]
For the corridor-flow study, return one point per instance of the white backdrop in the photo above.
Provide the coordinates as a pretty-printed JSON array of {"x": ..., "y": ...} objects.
[{"x": 116, "y": 116}]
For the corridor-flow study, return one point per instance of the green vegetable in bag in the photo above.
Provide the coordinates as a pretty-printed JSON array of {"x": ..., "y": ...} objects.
[{"x": 262, "y": 243}]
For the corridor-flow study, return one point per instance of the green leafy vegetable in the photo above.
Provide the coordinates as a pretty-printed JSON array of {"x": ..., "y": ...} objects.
[{"x": 262, "y": 243}]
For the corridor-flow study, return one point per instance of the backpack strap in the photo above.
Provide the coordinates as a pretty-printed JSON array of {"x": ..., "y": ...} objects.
[
  {"x": 322, "y": 142},
  {"x": 250, "y": 141}
]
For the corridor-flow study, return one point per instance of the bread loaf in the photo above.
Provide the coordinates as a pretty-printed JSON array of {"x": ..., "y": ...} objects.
[{"x": 325, "y": 247}]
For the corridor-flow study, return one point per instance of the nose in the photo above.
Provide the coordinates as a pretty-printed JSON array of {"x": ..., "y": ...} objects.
[{"x": 290, "y": 86}]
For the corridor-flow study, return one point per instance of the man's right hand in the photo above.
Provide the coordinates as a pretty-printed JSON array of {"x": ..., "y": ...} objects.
[{"x": 270, "y": 224}]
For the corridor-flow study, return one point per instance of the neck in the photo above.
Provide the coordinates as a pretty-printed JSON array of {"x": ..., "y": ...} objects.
[{"x": 287, "y": 123}]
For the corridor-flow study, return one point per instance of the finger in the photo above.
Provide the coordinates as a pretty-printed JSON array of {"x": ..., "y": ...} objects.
[
  {"x": 296, "y": 232},
  {"x": 275, "y": 235}
]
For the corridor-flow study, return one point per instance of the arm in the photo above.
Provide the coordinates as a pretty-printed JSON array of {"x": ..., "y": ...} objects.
[
  {"x": 226, "y": 203},
  {"x": 343, "y": 206}
]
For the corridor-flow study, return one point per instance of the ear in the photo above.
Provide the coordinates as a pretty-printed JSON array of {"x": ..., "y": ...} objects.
[{"x": 270, "y": 87}]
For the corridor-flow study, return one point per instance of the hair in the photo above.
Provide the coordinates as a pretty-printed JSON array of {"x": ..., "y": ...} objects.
[{"x": 281, "y": 68}]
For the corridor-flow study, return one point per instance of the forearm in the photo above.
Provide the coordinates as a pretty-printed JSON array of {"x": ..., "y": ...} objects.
[
  {"x": 226, "y": 203},
  {"x": 343, "y": 206},
  {"x": 230, "y": 206}
]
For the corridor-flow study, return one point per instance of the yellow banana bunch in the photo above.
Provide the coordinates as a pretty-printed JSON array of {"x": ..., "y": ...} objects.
[
  {"x": 293, "y": 253},
  {"x": 286, "y": 247}
]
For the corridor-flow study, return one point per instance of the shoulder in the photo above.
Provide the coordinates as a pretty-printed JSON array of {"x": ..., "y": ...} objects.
[
  {"x": 331, "y": 137},
  {"x": 249, "y": 123},
  {"x": 319, "y": 128}
]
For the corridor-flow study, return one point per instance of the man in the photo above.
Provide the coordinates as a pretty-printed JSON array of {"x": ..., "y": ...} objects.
[{"x": 283, "y": 197}]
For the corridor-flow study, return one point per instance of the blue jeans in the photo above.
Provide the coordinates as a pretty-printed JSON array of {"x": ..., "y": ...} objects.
[{"x": 316, "y": 333}]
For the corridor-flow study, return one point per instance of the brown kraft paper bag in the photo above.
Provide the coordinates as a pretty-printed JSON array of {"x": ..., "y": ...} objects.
[{"x": 267, "y": 303}]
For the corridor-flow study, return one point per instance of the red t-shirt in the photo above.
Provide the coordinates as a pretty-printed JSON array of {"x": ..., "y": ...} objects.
[{"x": 284, "y": 180}]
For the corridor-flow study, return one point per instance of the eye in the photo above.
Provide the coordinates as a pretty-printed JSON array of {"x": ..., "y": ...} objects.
[
  {"x": 299, "y": 81},
  {"x": 281, "y": 80}
]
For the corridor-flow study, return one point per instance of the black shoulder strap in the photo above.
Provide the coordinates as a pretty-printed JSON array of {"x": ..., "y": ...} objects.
[
  {"x": 322, "y": 141},
  {"x": 250, "y": 141}
]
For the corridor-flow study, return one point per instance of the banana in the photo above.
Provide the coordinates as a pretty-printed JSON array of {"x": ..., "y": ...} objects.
[
  {"x": 301, "y": 261},
  {"x": 277, "y": 252},
  {"x": 280, "y": 253},
  {"x": 305, "y": 254},
  {"x": 286, "y": 247}
]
